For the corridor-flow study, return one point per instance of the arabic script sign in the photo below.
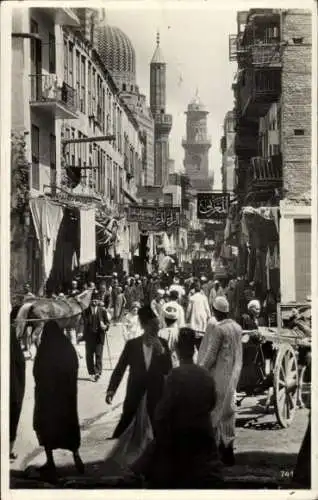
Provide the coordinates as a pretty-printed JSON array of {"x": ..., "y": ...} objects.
[
  {"x": 213, "y": 206},
  {"x": 155, "y": 218}
]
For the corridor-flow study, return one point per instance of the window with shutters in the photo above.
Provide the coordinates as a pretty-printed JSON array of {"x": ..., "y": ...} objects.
[
  {"x": 35, "y": 151},
  {"x": 89, "y": 88},
  {"x": 52, "y": 51},
  {"x": 83, "y": 85},
  {"x": 65, "y": 61},
  {"x": 70, "y": 65},
  {"x": 53, "y": 159}
]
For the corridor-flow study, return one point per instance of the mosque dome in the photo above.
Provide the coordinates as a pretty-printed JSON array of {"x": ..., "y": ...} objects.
[{"x": 118, "y": 54}]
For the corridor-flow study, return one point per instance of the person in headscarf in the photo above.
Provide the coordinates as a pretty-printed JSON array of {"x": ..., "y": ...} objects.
[
  {"x": 132, "y": 327},
  {"x": 55, "y": 418},
  {"x": 250, "y": 321},
  {"x": 221, "y": 354},
  {"x": 149, "y": 361},
  {"x": 17, "y": 381},
  {"x": 184, "y": 452}
]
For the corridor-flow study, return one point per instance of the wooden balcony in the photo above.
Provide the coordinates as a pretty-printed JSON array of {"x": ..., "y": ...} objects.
[
  {"x": 265, "y": 172},
  {"x": 59, "y": 99},
  {"x": 246, "y": 142},
  {"x": 258, "y": 89}
]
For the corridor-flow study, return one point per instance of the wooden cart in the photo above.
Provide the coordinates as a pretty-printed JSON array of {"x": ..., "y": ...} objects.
[{"x": 274, "y": 361}]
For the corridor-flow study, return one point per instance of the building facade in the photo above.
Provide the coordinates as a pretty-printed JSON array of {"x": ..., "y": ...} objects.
[
  {"x": 197, "y": 144},
  {"x": 228, "y": 153},
  {"x": 64, "y": 92},
  {"x": 273, "y": 132}
]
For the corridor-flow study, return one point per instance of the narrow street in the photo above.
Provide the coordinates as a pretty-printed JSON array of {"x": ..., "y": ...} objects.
[{"x": 257, "y": 456}]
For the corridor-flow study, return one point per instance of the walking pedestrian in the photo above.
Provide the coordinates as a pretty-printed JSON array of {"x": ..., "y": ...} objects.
[
  {"x": 96, "y": 324},
  {"x": 17, "y": 381},
  {"x": 132, "y": 327},
  {"x": 157, "y": 304},
  {"x": 173, "y": 302},
  {"x": 184, "y": 452},
  {"x": 119, "y": 306},
  {"x": 55, "y": 418},
  {"x": 170, "y": 332},
  {"x": 148, "y": 359},
  {"x": 198, "y": 313},
  {"x": 221, "y": 354}
]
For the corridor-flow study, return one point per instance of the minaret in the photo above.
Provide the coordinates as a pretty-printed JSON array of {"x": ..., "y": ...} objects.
[
  {"x": 196, "y": 146},
  {"x": 163, "y": 122}
]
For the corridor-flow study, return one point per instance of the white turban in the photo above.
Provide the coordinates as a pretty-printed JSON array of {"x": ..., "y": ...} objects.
[{"x": 253, "y": 304}]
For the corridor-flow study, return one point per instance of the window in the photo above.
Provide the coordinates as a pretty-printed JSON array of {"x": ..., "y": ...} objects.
[
  {"x": 70, "y": 80},
  {"x": 72, "y": 148},
  {"x": 67, "y": 149},
  {"x": 53, "y": 159},
  {"x": 83, "y": 85},
  {"x": 89, "y": 88},
  {"x": 77, "y": 72},
  {"x": 65, "y": 61},
  {"x": 52, "y": 62},
  {"x": 94, "y": 92},
  {"x": 299, "y": 131},
  {"x": 298, "y": 40},
  {"x": 35, "y": 150}
]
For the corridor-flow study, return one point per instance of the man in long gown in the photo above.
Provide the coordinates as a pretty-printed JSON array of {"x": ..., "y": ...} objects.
[
  {"x": 198, "y": 313},
  {"x": 221, "y": 354},
  {"x": 183, "y": 453},
  {"x": 149, "y": 361}
]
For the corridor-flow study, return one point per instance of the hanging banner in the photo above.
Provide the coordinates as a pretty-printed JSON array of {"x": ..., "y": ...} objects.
[
  {"x": 154, "y": 218},
  {"x": 213, "y": 206}
]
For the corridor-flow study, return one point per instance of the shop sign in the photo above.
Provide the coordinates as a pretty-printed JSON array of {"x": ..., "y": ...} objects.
[
  {"x": 213, "y": 206},
  {"x": 155, "y": 218}
]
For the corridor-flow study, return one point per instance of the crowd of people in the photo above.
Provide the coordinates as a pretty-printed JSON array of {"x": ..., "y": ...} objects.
[{"x": 184, "y": 354}]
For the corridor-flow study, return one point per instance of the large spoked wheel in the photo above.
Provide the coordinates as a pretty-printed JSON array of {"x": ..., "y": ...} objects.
[{"x": 285, "y": 385}]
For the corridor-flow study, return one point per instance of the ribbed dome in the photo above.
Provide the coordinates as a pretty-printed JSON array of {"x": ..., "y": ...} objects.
[{"x": 118, "y": 54}]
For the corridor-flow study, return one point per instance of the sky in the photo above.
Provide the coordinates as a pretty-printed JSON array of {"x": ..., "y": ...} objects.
[{"x": 195, "y": 46}]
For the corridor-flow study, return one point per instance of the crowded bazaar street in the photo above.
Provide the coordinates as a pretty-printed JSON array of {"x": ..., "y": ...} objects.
[
  {"x": 260, "y": 463},
  {"x": 159, "y": 296}
]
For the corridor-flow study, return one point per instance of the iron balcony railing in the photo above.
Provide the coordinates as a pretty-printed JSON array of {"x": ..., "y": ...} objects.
[{"x": 45, "y": 88}]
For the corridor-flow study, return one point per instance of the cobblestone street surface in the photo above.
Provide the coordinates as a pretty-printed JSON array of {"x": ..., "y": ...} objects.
[{"x": 265, "y": 453}]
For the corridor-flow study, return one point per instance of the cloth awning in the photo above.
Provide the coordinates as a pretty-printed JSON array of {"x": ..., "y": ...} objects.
[
  {"x": 130, "y": 197},
  {"x": 47, "y": 217},
  {"x": 87, "y": 236}
]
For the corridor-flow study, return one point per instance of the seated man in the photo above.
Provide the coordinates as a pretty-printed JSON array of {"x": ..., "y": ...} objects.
[{"x": 184, "y": 453}]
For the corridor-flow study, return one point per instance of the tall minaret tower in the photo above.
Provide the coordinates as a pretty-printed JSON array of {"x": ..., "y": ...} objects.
[
  {"x": 163, "y": 122},
  {"x": 196, "y": 146}
]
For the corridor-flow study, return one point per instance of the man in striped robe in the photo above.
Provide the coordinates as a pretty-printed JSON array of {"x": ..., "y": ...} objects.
[{"x": 221, "y": 354}]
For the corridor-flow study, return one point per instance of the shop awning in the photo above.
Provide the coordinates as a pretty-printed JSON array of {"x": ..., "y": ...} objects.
[{"x": 130, "y": 197}]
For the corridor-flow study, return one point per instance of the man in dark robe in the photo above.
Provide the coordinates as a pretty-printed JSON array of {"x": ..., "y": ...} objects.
[
  {"x": 141, "y": 379},
  {"x": 17, "y": 381}
]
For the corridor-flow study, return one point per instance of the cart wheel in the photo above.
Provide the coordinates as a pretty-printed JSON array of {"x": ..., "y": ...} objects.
[{"x": 285, "y": 385}]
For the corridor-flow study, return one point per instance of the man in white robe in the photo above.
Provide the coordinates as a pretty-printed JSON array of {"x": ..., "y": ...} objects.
[{"x": 221, "y": 354}]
